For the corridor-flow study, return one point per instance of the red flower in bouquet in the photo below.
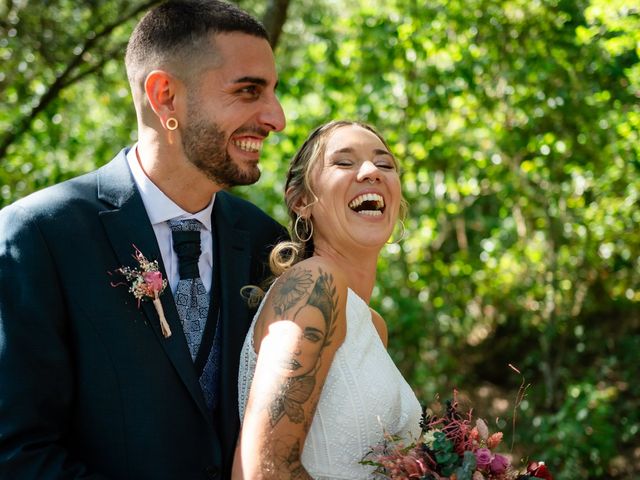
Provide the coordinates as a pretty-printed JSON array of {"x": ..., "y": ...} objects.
[{"x": 539, "y": 470}]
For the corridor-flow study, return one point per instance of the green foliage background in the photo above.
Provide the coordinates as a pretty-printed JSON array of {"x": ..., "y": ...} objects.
[{"x": 517, "y": 124}]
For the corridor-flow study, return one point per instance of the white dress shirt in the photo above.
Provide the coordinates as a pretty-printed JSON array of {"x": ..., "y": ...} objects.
[{"x": 161, "y": 208}]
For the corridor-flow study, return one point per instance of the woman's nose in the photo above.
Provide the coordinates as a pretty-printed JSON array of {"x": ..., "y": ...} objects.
[{"x": 369, "y": 172}]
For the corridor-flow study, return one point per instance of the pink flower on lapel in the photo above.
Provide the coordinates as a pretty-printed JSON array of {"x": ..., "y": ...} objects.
[
  {"x": 153, "y": 281},
  {"x": 146, "y": 283}
]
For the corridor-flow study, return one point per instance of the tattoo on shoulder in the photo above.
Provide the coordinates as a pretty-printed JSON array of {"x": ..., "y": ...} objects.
[{"x": 291, "y": 290}]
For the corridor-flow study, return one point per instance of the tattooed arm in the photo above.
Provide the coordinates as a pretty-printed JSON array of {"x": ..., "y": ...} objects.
[{"x": 296, "y": 336}]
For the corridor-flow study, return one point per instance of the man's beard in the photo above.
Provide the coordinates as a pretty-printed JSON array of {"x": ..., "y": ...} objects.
[{"x": 205, "y": 147}]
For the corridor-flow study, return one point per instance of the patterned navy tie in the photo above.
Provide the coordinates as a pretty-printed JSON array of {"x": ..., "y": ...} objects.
[
  {"x": 192, "y": 302},
  {"x": 192, "y": 299}
]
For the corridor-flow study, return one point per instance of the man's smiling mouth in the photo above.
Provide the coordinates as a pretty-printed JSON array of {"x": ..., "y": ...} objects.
[{"x": 252, "y": 146}]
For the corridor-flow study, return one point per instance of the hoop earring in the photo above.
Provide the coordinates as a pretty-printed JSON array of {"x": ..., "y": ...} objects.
[
  {"x": 403, "y": 230},
  {"x": 308, "y": 226},
  {"x": 171, "y": 123}
]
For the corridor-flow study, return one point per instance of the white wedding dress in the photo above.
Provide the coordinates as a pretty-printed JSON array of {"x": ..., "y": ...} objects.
[{"x": 364, "y": 394}]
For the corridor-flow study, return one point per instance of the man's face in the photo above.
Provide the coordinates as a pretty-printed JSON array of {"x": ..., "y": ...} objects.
[{"x": 232, "y": 109}]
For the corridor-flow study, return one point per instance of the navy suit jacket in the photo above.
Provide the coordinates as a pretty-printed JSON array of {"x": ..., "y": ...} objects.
[{"x": 89, "y": 387}]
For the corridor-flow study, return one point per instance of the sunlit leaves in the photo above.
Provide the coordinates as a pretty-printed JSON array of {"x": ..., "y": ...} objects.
[{"x": 65, "y": 99}]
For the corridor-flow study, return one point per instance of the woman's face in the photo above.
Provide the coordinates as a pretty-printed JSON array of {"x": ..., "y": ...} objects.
[{"x": 358, "y": 189}]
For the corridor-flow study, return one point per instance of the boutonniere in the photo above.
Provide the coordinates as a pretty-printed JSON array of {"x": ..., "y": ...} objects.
[{"x": 146, "y": 283}]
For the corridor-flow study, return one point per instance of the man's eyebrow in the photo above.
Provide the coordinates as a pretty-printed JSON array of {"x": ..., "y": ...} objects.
[{"x": 254, "y": 80}]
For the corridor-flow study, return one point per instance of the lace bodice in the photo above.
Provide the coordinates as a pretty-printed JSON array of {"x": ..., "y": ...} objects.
[{"x": 363, "y": 394}]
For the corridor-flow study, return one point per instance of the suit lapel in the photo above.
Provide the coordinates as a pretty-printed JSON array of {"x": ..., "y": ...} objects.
[
  {"x": 127, "y": 225},
  {"x": 234, "y": 264}
]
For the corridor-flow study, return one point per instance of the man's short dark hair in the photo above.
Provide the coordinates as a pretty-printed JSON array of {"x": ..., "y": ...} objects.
[{"x": 172, "y": 33}]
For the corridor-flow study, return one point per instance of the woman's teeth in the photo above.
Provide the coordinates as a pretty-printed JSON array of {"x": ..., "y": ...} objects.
[{"x": 370, "y": 204}]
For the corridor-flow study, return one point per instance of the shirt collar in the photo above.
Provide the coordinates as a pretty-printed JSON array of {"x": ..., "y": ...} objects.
[{"x": 159, "y": 207}]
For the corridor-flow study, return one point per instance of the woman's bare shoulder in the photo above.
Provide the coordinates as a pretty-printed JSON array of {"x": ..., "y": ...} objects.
[{"x": 381, "y": 326}]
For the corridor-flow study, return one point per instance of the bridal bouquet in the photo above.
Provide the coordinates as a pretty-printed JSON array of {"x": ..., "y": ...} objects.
[{"x": 452, "y": 447}]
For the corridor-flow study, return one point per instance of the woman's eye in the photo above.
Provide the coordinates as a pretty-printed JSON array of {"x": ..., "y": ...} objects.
[
  {"x": 343, "y": 162},
  {"x": 385, "y": 166}
]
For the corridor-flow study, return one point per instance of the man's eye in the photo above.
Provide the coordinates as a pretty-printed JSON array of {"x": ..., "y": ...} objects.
[{"x": 250, "y": 90}]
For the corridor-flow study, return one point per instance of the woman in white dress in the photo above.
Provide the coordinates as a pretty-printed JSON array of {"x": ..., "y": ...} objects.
[{"x": 317, "y": 388}]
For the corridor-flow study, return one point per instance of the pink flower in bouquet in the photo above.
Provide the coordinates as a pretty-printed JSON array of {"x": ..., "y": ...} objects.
[
  {"x": 483, "y": 458},
  {"x": 499, "y": 464},
  {"x": 414, "y": 467},
  {"x": 494, "y": 440}
]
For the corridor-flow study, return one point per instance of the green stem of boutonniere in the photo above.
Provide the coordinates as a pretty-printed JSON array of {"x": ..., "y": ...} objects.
[{"x": 164, "y": 325}]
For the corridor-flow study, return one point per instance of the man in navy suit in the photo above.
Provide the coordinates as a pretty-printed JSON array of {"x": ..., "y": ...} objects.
[{"x": 90, "y": 384}]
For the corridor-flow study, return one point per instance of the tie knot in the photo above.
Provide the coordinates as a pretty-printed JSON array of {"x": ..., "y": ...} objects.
[
  {"x": 187, "y": 225},
  {"x": 186, "y": 244}
]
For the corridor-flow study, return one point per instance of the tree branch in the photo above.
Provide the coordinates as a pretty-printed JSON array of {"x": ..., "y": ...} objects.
[
  {"x": 92, "y": 69},
  {"x": 62, "y": 80}
]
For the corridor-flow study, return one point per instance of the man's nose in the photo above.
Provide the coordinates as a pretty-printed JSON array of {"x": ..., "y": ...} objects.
[{"x": 272, "y": 115}]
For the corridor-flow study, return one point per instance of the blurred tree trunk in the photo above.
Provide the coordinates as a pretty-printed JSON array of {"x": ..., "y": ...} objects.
[{"x": 274, "y": 18}]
